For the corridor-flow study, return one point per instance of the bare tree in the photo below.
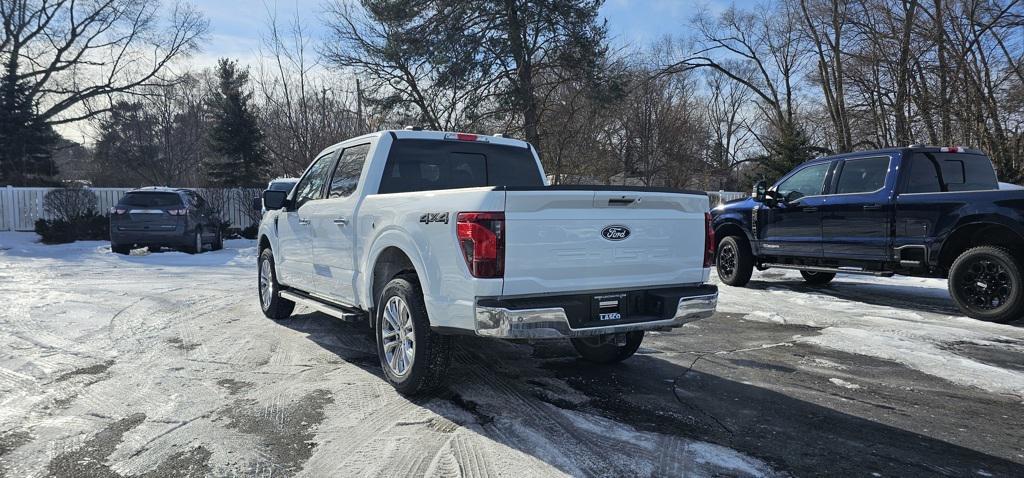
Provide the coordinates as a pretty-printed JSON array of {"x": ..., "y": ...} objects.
[
  {"x": 302, "y": 111},
  {"x": 77, "y": 55}
]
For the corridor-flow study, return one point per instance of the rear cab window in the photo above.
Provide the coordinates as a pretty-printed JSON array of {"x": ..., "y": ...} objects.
[
  {"x": 151, "y": 199},
  {"x": 430, "y": 165},
  {"x": 949, "y": 172}
]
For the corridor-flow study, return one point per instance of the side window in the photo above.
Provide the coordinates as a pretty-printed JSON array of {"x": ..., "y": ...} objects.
[
  {"x": 806, "y": 182},
  {"x": 966, "y": 172},
  {"x": 862, "y": 175},
  {"x": 311, "y": 186},
  {"x": 923, "y": 177},
  {"x": 347, "y": 172}
]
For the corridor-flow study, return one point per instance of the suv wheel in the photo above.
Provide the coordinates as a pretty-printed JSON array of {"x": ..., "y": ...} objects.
[
  {"x": 271, "y": 302},
  {"x": 986, "y": 284},
  {"x": 735, "y": 262},
  {"x": 120, "y": 249},
  {"x": 818, "y": 278},
  {"x": 197, "y": 243},
  {"x": 218, "y": 242},
  {"x": 414, "y": 358},
  {"x": 604, "y": 349}
]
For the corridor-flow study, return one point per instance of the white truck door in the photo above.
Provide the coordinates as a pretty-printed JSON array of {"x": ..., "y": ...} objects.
[
  {"x": 333, "y": 222},
  {"x": 294, "y": 234}
]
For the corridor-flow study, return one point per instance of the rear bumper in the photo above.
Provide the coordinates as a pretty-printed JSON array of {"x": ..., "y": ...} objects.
[
  {"x": 171, "y": 237},
  {"x": 508, "y": 320}
]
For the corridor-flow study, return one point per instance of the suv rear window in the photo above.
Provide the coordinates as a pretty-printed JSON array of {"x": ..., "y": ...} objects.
[
  {"x": 429, "y": 165},
  {"x": 153, "y": 199}
]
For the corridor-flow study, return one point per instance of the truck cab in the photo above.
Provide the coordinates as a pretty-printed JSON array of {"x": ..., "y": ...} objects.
[{"x": 919, "y": 211}]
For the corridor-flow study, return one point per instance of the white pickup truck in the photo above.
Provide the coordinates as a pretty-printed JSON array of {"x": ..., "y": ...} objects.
[{"x": 430, "y": 235}]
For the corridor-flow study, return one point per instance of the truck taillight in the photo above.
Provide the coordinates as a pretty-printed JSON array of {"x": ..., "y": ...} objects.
[
  {"x": 482, "y": 240},
  {"x": 709, "y": 241}
]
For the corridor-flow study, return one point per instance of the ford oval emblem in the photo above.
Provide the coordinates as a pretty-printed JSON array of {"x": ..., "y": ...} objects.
[{"x": 615, "y": 233}]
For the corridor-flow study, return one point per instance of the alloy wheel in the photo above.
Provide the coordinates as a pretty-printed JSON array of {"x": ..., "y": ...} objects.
[
  {"x": 266, "y": 285},
  {"x": 398, "y": 336},
  {"x": 985, "y": 285},
  {"x": 727, "y": 260}
]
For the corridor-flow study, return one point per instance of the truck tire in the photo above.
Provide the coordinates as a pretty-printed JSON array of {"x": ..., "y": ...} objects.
[
  {"x": 414, "y": 358},
  {"x": 734, "y": 261},
  {"x": 986, "y": 284},
  {"x": 818, "y": 278},
  {"x": 120, "y": 249},
  {"x": 273, "y": 305},
  {"x": 601, "y": 350}
]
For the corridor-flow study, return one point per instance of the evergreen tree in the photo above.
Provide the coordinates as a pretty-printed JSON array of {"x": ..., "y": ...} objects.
[
  {"x": 790, "y": 147},
  {"x": 238, "y": 156},
  {"x": 26, "y": 141}
]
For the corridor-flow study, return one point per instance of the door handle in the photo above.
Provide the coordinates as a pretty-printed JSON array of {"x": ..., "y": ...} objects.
[
  {"x": 872, "y": 207},
  {"x": 810, "y": 209},
  {"x": 341, "y": 221},
  {"x": 304, "y": 222}
]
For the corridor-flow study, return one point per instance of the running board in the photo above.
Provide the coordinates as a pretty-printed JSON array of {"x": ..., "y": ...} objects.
[
  {"x": 314, "y": 303},
  {"x": 828, "y": 269}
]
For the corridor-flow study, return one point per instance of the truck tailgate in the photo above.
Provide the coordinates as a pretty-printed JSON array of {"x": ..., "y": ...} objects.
[{"x": 587, "y": 240}]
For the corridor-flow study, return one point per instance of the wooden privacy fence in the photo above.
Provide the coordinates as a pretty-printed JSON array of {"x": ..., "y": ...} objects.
[{"x": 21, "y": 207}]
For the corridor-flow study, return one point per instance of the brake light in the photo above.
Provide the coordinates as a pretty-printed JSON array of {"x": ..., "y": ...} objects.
[
  {"x": 118, "y": 210},
  {"x": 481, "y": 237},
  {"x": 709, "y": 241},
  {"x": 177, "y": 212},
  {"x": 465, "y": 137},
  {"x": 953, "y": 149}
]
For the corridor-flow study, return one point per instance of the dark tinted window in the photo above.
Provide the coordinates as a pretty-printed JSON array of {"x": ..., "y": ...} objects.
[
  {"x": 862, "y": 175},
  {"x": 151, "y": 199},
  {"x": 966, "y": 172},
  {"x": 923, "y": 176},
  {"x": 311, "y": 186},
  {"x": 427, "y": 165},
  {"x": 348, "y": 170}
]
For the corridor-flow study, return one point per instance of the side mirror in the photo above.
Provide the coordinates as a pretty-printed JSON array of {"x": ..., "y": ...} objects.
[
  {"x": 760, "y": 191},
  {"x": 274, "y": 199},
  {"x": 256, "y": 204}
]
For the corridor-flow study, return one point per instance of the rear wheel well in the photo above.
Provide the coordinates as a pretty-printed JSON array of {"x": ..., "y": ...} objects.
[
  {"x": 391, "y": 262},
  {"x": 974, "y": 235}
]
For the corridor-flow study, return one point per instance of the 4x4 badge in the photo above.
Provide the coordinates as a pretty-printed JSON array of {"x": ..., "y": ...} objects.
[{"x": 615, "y": 233}]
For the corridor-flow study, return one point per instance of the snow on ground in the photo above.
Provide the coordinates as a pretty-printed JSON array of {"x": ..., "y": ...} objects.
[
  {"x": 875, "y": 317},
  {"x": 161, "y": 362}
]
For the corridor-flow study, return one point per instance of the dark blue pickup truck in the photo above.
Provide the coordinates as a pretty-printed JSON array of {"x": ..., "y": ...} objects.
[{"x": 918, "y": 211}]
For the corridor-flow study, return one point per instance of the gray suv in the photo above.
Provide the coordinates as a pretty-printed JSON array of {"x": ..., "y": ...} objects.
[{"x": 164, "y": 217}]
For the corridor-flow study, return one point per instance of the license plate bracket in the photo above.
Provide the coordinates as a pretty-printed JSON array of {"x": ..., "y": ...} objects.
[{"x": 609, "y": 307}]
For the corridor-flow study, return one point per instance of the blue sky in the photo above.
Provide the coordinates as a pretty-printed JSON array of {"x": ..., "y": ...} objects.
[{"x": 235, "y": 25}]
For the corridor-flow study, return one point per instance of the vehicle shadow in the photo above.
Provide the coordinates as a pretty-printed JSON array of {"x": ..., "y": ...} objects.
[{"x": 649, "y": 415}]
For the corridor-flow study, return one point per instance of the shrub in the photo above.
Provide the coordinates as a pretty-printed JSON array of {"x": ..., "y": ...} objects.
[
  {"x": 249, "y": 232},
  {"x": 89, "y": 227},
  {"x": 55, "y": 232},
  {"x": 69, "y": 204}
]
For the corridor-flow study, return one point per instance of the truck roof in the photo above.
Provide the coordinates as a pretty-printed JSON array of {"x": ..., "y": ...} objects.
[
  {"x": 430, "y": 134},
  {"x": 906, "y": 149}
]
